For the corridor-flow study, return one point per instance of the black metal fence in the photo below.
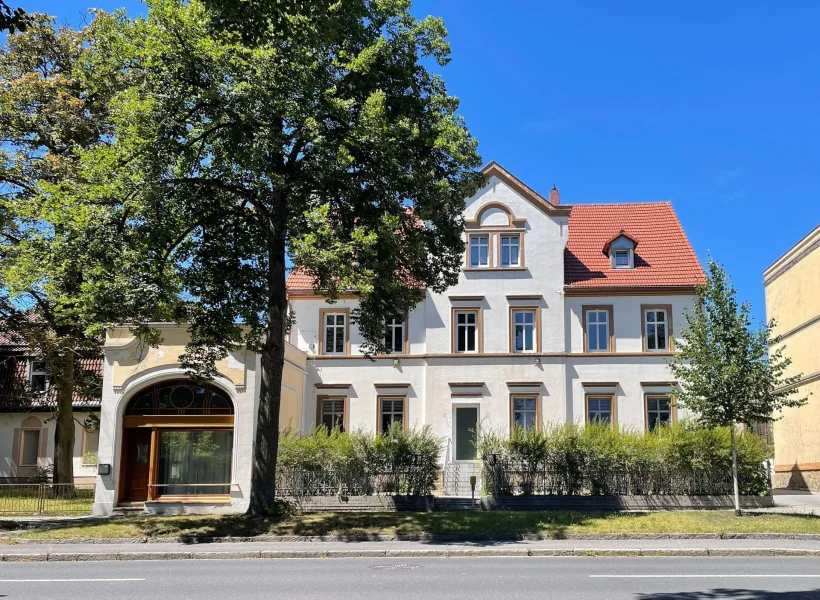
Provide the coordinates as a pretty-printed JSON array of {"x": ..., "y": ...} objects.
[
  {"x": 300, "y": 483},
  {"x": 502, "y": 478},
  {"x": 46, "y": 498}
]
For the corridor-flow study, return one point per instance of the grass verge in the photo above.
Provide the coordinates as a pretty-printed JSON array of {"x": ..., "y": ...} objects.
[{"x": 547, "y": 524}]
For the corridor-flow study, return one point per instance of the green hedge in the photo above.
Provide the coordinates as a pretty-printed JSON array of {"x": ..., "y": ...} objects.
[
  {"x": 597, "y": 459},
  {"x": 359, "y": 463}
]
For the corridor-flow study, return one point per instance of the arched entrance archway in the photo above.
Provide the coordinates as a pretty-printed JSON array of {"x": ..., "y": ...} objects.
[{"x": 177, "y": 443}]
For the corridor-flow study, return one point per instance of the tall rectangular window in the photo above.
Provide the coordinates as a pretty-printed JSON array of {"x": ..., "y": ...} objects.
[
  {"x": 332, "y": 413},
  {"x": 335, "y": 330},
  {"x": 598, "y": 330},
  {"x": 658, "y": 411},
  {"x": 394, "y": 334},
  {"x": 656, "y": 330},
  {"x": 510, "y": 250},
  {"x": 391, "y": 410},
  {"x": 524, "y": 330},
  {"x": 525, "y": 412},
  {"x": 38, "y": 375},
  {"x": 466, "y": 331},
  {"x": 29, "y": 447},
  {"x": 599, "y": 409},
  {"x": 479, "y": 251}
]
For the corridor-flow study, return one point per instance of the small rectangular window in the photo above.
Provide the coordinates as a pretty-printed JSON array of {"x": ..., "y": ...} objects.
[
  {"x": 333, "y": 413},
  {"x": 392, "y": 411},
  {"x": 525, "y": 412},
  {"x": 479, "y": 251},
  {"x": 599, "y": 409},
  {"x": 524, "y": 330},
  {"x": 466, "y": 331},
  {"x": 658, "y": 411},
  {"x": 655, "y": 332},
  {"x": 597, "y": 334},
  {"x": 335, "y": 325},
  {"x": 394, "y": 334},
  {"x": 622, "y": 259},
  {"x": 38, "y": 375},
  {"x": 29, "y": 447},
  {"x": 510, "y": 250}
]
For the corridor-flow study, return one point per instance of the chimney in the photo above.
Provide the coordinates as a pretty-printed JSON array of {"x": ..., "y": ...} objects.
[{"x": 554, "y": 196}]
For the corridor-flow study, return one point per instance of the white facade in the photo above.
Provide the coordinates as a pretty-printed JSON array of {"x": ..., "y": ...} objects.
[{"x": 559, "y": 371}]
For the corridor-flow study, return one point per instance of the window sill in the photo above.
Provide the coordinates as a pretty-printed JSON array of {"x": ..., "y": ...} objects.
[{"x": 494, "y": 269}]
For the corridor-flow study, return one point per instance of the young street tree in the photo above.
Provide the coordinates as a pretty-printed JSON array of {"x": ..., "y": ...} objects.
[
  {"x": 729, "y": 373},
  {"x": 325, "y": 138},
  {"x": 59, "y": 264}
]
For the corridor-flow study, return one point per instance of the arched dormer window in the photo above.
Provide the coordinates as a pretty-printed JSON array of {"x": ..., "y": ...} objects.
[
  {"x": 495, "y": 239},
  {"x": 621, "y": 250}
]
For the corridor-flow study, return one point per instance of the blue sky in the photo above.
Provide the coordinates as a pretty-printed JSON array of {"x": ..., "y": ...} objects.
[{"x": 712, "y": 105}]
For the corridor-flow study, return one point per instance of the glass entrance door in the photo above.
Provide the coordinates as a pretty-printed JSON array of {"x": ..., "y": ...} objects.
[{"x": 464, "y": 428}]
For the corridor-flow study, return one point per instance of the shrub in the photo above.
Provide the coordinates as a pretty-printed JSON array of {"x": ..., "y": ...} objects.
[
  {"x": 400, "y": 461},
  {"x": 599, "y": 460}
]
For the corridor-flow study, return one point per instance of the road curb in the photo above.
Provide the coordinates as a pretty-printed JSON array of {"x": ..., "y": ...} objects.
[
  {"x": 193, "y": 540},
  {"x": 409, "y": 553}
]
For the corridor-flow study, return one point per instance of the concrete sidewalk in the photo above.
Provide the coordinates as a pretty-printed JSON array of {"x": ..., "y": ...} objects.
[{"x": 248, "y": 550}]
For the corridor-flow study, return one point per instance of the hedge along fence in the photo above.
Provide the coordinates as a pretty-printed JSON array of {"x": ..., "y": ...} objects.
[
  {"x": 332, "y": 463},
  {"x": 596, "y": 459}
]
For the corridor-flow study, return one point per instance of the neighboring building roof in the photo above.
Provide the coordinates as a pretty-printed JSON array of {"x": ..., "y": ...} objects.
[
  {"x": 665, "y": 257},
  {"x": 299, "y": 280},
  {"x": 792, "y": 256},
  {"x": 13, "y": 382}
]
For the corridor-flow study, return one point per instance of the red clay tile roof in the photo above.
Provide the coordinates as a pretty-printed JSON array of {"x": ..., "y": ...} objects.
[
  {"x": 13, "y": 381},
  {"x": 663, "y": 254},
  {"x": 664, "y": 257},
  {"x": 299, "y": 280}
]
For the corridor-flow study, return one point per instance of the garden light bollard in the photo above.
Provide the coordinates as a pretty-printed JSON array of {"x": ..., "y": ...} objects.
[{"x": 472, "y": 490}]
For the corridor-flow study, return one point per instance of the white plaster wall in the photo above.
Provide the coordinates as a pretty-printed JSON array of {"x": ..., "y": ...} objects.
[
  {"x": 11, "y": 421},
  {"x": 626, "y": 316}
]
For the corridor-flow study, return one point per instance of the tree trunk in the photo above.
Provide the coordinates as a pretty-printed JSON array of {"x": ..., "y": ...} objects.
[
  {"x": 263, "y": 475},
  {"x": 64, "y": 420},
  {"x": 734, "y": 471}
]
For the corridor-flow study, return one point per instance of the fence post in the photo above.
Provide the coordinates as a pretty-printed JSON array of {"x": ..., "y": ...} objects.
[{"x": 41, "y": 498}]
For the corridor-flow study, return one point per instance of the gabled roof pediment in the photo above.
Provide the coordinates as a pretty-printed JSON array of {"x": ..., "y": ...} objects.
[
  {"x": 493, "y": 169},
  {"x": 617, "y": 236}
]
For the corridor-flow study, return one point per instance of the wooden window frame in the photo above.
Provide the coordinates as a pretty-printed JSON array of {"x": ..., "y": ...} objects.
[
  {"x": 20, "y": 453},
  {"x": 613, "y": 397},
  {"x": 468, "y": 263},
  {"x": 670, "y": 345},
  {"x": 323, "y": 312},
  {"x": 611, "y": 323},
  {"x": 537, "y": 397},
  {"x": 405, "y": 409},
  {"x": 537, "y": 310},
  {"x": 673, "y": 409},
  {"x": 479, "y": 329},
  {"x": 512, "y": 233},
  {"x": 405, "y": 349},
  {"x": 345, "y": 416}
]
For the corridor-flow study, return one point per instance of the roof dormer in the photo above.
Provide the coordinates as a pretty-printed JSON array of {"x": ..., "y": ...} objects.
[{"x": 621, "y": 250}]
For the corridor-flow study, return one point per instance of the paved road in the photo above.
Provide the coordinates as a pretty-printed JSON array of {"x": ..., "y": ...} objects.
[{"x": 417, "y": 579}]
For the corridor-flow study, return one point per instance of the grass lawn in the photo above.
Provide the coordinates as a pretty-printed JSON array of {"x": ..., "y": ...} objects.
[{"x": 549, "y": 524}]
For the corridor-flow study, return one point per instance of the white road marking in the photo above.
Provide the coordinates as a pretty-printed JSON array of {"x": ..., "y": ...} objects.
[
  {"x": 716, "y": 576},
  {"x": 67, "y": 580}
]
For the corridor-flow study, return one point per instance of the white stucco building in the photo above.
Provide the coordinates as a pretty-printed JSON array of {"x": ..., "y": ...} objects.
[{"x": 561, "y": 314}]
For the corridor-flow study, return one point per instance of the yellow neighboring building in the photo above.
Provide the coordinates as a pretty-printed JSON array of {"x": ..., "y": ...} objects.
[{"x": 792, "y": 286}]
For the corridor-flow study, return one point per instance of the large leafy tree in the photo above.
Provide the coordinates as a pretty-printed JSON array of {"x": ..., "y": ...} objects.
[
  {"x": 322, "y": 136},
  {"x": 729, "y": 372},
  {"x": 59, "y": 263},
  {"x": 13, "y": 19}
]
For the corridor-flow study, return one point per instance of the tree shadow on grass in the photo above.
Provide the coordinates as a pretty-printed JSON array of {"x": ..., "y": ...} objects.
[{"x": 732, "y": 594}]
